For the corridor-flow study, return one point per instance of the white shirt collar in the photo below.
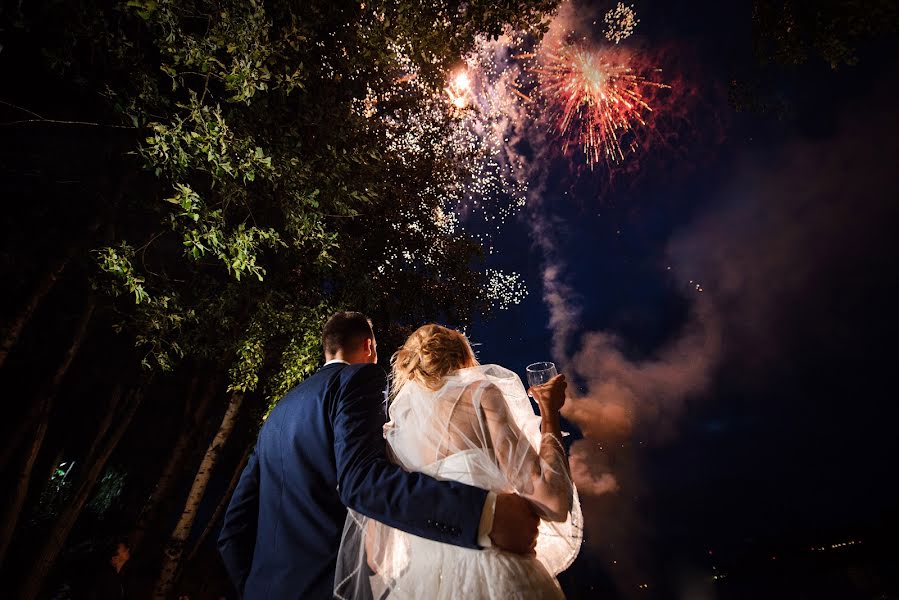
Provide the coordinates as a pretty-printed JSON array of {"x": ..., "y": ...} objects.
[{"x": 334, "y": 361}]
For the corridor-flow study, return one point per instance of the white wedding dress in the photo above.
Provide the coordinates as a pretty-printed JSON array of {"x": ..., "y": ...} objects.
[{"x": 479, "y": 429}]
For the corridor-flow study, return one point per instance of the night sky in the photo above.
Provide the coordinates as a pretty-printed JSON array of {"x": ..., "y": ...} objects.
[
  {"x": 783, "y": 436},
  {"x": 724, "y": 304}
]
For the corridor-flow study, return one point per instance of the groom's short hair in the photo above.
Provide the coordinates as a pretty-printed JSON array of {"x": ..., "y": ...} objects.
[{"x": 345, "y": 330}]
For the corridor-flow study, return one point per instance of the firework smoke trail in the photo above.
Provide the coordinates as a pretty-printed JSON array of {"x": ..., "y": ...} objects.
[
  {"x": 612, "y": 397},
  {"x": 596, "y": 99},
  {"x": 601, "y": 94},
  {"x": 618, "y": 403},
  {"x": 498, "y": 98},
  {"x": 599, "y": 98}
]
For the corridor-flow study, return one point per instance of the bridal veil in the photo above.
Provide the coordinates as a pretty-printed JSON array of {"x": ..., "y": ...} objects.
[{"x": 479, "y": 428}]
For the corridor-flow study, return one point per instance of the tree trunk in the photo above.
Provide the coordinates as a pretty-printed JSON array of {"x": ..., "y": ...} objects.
[
  {"x": 50, "y": 388},
  {"x": 11, "y": 444},
  {"x": 23, "y": 480},
  {"x": 114, "y": 425},
  {"x": 175, "y": 548},
  {"x": 44, "y": 401},
  {"x": 17, "y": 325},
  {"x": 194, "y": 414},
  {"x": 222, "y": 505}
]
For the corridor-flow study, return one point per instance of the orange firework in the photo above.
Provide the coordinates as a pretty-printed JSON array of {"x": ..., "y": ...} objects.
[
  {"x": 459, "y": 89},
  {"x": 596, "y": 99}
]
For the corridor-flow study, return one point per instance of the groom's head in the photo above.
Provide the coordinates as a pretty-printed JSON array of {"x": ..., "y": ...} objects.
[{"x": 349, "y": 336}]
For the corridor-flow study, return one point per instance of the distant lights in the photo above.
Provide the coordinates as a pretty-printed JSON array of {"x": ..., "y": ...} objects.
[{"x": 836, "y": 546}]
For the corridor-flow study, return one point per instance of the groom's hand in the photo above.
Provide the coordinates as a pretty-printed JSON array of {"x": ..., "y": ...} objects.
[{"x": 514, "y": 524}]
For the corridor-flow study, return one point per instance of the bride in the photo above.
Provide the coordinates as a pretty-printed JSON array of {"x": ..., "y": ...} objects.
[{"x": 456, "y": 420}]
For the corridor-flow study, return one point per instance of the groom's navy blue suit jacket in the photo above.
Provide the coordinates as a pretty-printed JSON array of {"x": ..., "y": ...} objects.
[{"x": 320, "y": 450}]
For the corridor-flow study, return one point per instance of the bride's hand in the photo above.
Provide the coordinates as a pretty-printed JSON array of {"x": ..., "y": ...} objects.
[{"x": 550, "y": 396}]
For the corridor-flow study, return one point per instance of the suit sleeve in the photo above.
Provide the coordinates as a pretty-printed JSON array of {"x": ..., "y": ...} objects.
[
  {"x": 238, "y": 537},
  {"x": 444, "y": 511}
]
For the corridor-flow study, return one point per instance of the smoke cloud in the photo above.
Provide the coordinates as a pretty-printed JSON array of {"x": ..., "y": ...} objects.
[
  {"x": 591, "y": 475},
  {"x": 790, "y": 226},
  {"x": 806, "y": 221},
  {"x": 620, "y": 390}
]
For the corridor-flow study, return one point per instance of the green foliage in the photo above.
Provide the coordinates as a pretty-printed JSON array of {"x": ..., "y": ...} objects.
[
  {"x": 201, "y": 141},
  {"x": 108, "y": 491},
  {"x": 157, "y": 326},
  {"x": 274, "y": 198},
  {"x": 235, "y": 50},
  {"x": 285, "y": 334},
  {"x": 55, "y": 492},
  {"x": 300, "y": 354},
  {"x": 118, "y": 263},
  {"x": 157, "y": 319},
  {"x": 792, "y": 33}
]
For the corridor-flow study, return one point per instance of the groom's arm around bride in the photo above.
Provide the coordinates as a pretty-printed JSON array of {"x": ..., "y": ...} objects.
[
  {"x": 330, "y": 429},
  {"x": 445, "y": 511}
]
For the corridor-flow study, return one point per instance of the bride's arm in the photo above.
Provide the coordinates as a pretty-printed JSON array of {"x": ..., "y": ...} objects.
[
  {"x": 371, "y": 547},
  {"x": 544, "y": 478}
]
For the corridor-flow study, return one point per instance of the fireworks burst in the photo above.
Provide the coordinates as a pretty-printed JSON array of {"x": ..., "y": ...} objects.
[
  {"x": 459, "y": 89},
  {"x": 620, "y": 23},
  {"x": 464, "y": 127},
  {"x": 596, "y": 99}
]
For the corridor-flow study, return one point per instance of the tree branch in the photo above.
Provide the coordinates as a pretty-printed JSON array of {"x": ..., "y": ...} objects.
[{"x": 41, "y": 119}]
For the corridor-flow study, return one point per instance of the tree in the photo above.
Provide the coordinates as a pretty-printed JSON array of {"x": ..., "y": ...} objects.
[
  {"x": 20, "y": 320},
  {"x": 174, "y": 550},
  {"x": 43, "y": 405},
  {"x": 222, "y": 506},
  {"x": 794, "y": 32},
  {"x": 109, "y": 434},
  {"x": 788, "y": 35},
  {"x": 270, "y": 177},
  {"x": 195, "y": 409}
]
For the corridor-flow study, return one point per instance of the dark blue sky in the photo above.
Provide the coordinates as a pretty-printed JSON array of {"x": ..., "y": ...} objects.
[{"x": 793, "y": 219}]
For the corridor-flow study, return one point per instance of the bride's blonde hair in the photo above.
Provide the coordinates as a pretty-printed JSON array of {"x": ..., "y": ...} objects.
[{"x": 429, "y": 354}]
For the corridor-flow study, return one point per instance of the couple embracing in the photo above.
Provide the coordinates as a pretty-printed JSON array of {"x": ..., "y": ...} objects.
[{"x": 463, "y": 493}]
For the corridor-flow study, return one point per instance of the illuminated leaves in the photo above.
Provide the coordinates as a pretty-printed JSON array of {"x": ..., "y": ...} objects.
[
  {"x": 198, "y": 138},
  {"x": 279, "y": 197},
  {"x": 117, "y": 262}
]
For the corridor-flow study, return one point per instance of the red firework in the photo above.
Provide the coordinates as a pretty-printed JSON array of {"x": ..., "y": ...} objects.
[{"x": 596, "y": 99}]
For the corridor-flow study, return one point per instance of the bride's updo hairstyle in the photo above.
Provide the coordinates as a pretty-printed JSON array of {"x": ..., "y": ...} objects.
[{"x": 430, "y": 353}]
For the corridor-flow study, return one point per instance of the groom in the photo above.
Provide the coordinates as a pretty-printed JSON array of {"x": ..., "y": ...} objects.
[{"x": 321, "y": 450}]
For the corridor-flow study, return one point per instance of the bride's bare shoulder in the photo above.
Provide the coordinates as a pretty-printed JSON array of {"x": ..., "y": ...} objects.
[{"x": 485, "y": 394}]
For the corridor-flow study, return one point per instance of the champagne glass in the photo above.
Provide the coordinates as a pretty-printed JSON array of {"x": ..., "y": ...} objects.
[{"x": 540, "y": 372}]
